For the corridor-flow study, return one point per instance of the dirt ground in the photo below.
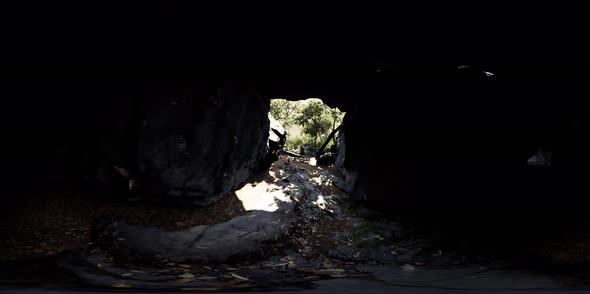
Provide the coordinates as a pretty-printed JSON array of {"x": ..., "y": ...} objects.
[{"x": 63, "y": 221}]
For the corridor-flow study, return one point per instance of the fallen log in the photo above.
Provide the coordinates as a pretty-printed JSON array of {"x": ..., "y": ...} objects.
[{"x": 290, "y": 153}]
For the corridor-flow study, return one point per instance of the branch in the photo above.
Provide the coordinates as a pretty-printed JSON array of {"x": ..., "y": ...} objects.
[{"x": 321, "y": 151}]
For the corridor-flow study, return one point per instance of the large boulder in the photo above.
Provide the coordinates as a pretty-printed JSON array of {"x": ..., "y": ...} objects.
[
  {"x": 193, "y": 149},
  {"x": 354, "y": 155},
  {"x": 276, "y": 137}
]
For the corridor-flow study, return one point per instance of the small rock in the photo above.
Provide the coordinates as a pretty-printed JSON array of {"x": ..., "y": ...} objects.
[{"x": 408, "y": 268}]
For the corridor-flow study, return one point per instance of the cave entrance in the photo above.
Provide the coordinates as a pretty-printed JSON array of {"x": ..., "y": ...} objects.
[
  {"x": 311, "y": 126},
  {"x": 310, "y": 130}
]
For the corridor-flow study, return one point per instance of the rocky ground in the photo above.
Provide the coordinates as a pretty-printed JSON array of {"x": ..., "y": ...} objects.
[
  {"x": 296, "y": 226},
  {"x": 285, "y": 228},
  {"x": 63, "y": 222},
  {"x": 293, "y": 226}
]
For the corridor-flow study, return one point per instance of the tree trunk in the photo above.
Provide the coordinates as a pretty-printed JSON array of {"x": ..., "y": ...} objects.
[
  {"x": 327, "y": 141},
  {"x": 333, "y": 128}
]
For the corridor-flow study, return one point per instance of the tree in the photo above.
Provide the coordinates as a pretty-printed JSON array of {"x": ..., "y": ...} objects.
[
  {"x": 316, "y": 120},
  {"x": 284, "y": 111},
  {"x": 313, "y": 119}
]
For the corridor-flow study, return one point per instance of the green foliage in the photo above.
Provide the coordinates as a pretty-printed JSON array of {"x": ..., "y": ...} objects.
[
  {"x": 307, "y": 121},
  {"x": 314, "y": 120},
  {"x": 364, "y": 236},
  {"x": 296, "y": 141},
  {"x": 284, "y": 111},
  {"x": 327, "y": 158}
]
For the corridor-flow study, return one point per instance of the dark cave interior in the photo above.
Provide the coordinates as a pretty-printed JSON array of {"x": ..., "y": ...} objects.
[
  {"x": 427, "y": 123},
  {"x": 153, "y": 119},
  {"x": 444, "y": 145}
]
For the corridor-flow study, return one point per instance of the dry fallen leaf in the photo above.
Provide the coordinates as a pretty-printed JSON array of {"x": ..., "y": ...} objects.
[
  {"x": 186, "y": 275},
  {"x": 275, "y": 265},
  {"x": 206, "y": 278},
  {"x": 287, "y": 258},
  {"x": 330, "y": 271},
  {"x": 122, "y": 285},
  {"x": 239, "y": 277}
]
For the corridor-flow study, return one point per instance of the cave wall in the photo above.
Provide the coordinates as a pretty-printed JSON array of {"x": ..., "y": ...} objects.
[
  {"x": 182, "y": 142},
  {"x": 198, "y": 147},
  {"x": 450, "y": 141},
  {"x": 439, "y": 138},
  {"x": 424, "y": 135}
]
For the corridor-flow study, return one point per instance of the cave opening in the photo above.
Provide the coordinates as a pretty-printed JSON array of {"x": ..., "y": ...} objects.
[{"x": 311, "y": 126}]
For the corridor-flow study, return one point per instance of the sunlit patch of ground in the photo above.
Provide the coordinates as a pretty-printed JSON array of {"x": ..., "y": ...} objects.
[
  {"x": 312, "y": 161},
  {"x": 258, "y": 196}
]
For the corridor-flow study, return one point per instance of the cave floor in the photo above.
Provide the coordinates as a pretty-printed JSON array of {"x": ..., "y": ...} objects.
[
  {"x": 345, "y": 240},
  {"x": 63, "y": 222}
]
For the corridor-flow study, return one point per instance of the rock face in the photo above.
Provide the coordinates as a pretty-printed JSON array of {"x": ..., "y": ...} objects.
[
  {"x": 354, "y": 157},
  {"x": 276, "y": 137},
  {"x": 193, "y": 149},
  {"x": 186, "y": 143}
]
